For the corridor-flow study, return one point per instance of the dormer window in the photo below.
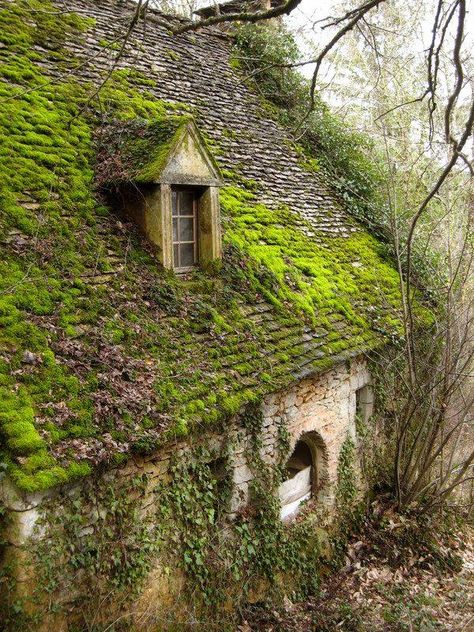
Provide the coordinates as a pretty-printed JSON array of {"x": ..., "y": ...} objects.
[
  {"x": 184, "y": 205},
  {"x": 168, "y": 184}
]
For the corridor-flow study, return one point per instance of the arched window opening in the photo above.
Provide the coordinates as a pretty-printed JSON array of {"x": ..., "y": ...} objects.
[{"x": 304, "y": 474}]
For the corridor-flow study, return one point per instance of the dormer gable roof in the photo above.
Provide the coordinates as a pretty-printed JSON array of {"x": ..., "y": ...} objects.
[{"x": 188, "y": 160}]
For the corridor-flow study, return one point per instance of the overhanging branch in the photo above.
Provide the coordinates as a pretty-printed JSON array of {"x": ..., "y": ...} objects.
[{"x": 243, "y": 16}]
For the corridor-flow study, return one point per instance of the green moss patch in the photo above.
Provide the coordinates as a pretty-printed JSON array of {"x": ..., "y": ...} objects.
[{"x": 321, "y": 277}]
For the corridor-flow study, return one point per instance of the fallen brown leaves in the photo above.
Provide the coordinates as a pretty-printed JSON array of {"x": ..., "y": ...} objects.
[
  {"x": 125, "y": 396},
  {"x": 387, "y": 585}
]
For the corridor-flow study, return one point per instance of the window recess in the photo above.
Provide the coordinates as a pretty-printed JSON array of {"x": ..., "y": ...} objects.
[
  {"x": 306, "y": 474},
  {"x": 185, "y": 228}
]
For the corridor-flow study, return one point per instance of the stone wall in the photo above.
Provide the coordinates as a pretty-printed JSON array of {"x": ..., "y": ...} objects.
[{"x": 325, "y": 404}]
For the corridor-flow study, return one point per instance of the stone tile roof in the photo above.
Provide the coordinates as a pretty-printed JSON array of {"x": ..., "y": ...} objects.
[
  {"x": 103, "y": 352},
  {"x": 194, "y": 69}
]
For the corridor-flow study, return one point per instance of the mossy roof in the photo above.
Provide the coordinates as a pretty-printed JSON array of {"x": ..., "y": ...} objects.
[
  {"x": 104, "y": 353},
  {"x": 139, "y": 150}
]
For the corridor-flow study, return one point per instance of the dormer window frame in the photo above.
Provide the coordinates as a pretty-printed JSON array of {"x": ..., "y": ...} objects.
[{"x": 177, "y": 217}]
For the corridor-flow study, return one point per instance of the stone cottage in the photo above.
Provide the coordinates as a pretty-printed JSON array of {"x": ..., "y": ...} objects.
[{"x": 179, "y": 285}]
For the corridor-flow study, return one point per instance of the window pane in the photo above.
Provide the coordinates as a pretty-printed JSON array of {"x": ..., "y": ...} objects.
[
  {"x": 186, "y": 229},
  {"x": 186, "y": 199},
  {"x": 174, "y": 202},
  {"x": 176, "y": 255},
  {"x": 175, "y": 229},
  {"x": 187, "y": 255}
]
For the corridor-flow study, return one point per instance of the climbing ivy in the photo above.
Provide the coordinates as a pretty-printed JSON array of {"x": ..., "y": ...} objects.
[
  {"x": 92, "y": 542},
  {"x": 107, "y": 544},
  {"x": 108, "y": 539},
  {"x": 192, "y": 505},
  {"x": 346, "y": 477},
  {"x": 349, "y": 505}
]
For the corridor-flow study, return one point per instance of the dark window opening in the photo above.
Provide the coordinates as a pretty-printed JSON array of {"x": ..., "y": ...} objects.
[
  {"x": 218, "y": 469},
  {"x": 299, "y": 480},
  {"x": 185, "y": 228},
  {"x": 222, "y": 483},
  {"x": 299, "y": 460}
]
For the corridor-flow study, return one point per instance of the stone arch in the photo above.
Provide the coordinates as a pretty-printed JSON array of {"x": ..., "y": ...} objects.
[{"x": 306, "y": 473}]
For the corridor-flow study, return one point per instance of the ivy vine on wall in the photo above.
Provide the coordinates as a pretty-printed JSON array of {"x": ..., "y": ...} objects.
[{"x": 97, "y": 545}]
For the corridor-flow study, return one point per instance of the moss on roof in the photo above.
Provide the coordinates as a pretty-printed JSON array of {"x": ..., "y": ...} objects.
[
  {"x": 316, "y": 275},
  {"x": 102, "y": 352},
  {"x": 137, "y": 150}
]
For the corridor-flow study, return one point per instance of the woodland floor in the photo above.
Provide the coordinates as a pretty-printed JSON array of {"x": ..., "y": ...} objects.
[{"x": 387, "y": 587}]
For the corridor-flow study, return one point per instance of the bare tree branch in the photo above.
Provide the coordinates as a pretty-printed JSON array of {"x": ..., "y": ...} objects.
[
  {"x": 459, "y": 71},
  {"x": 357, "y": 15},
  {"x": 244, "y": 16}
]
